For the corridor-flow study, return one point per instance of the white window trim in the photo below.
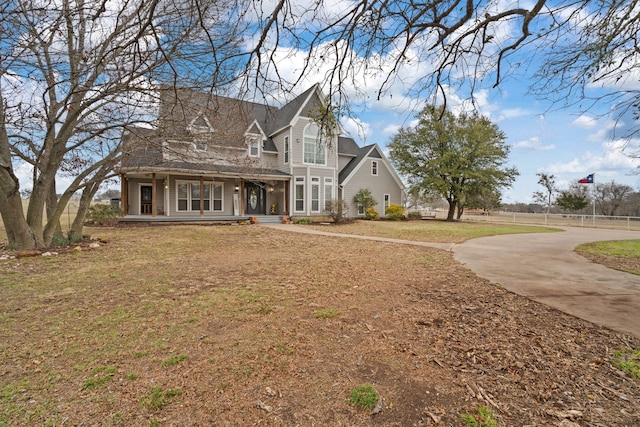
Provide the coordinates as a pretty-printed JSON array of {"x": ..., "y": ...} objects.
[
  {"x": 299, "y": 180},
  {"x": 189, "y": 199},
  {"x": 328, "y": 182},
  {"x": 386, "y": 202},
  {"x": 317, "y": 141},
  {"x": 287, "y": 150},
  {"x": 254, "y": 139},
  {"x": 315, "y": 181}
]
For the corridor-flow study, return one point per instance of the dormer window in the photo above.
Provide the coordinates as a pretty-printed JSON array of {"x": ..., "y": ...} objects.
[
  {"x": 200, "y": 126},
  {"x": 200, "y": 143},
  {"x": 254, "y": 146}
]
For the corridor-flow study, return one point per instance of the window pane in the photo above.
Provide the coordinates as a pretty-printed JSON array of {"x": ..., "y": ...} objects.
[
  {"x": 217, "y": 192},
  {"x": 195, "y": 191},
  {"x": 195, "y": 205},
  {"x": 286, "y": 149},
  {"x": 217, "y": 205},
  {"x": 206, "y": 205},
  {"x": 182, "y": 191},
  {"x": 320, "y": 160},
  {"x": 183, "y": 194},
  {"x": 309, "y": 150}
]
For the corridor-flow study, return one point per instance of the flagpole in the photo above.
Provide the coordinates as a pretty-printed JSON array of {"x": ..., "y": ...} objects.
[
  {"x": 593, "y": 201},
  {"x": 593, "y": 196}
]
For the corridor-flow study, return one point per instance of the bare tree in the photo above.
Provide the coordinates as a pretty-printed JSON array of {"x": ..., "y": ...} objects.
[
  {"x": 546, "y": 197},
  {"x": 74, "y": 74},
  {"x": 610, "y": 196}
]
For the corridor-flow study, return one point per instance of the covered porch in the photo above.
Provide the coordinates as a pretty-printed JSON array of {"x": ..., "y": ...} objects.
[{"x": 168, "y": 196}]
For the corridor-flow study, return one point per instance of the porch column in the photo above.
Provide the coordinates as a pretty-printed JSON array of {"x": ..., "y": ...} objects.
[
  {"x": 202, "y": 196},
  {"x": 242, "y": 197},
  {"x": 287, "y": 189},
  {"x": 154, "y": 203},
  {"x": 124, "y": 194}
]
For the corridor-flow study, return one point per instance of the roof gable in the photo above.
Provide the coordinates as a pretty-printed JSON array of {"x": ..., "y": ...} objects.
[
  {"x": 298, "y": 107},
  {"x": 367, "y": 152}
]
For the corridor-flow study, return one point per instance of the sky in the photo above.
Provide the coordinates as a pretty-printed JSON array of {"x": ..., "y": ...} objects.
[{"x": 567, "y": 142}]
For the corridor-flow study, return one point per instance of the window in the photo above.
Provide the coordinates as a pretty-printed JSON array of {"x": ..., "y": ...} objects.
[
  {"x": 254, "y": 146},
  {"x": 188, "y": 197},
  {"x": 328, "y": 191},
  {"x": 387, "y": 201},
  {"x": 195, "y": 197},
  {"x": 315, "y": 194},
  {"x": 360, "y": 209},
  {"x": 200, "y": 143},
  {"x": 374, "y": 167},
  {"x": 299, "y": 194},
  {"x": 286, "y": 149},
  {"x": 315, "y": 150}
]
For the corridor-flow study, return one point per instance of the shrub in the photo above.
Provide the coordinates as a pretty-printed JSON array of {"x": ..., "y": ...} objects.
[
  {"x": 372, "y": 214},
  {"x": 394, "y": 212},
  {"x": 414, "y": 215},
  {"x": 336, "y": 209},
  {"x": 102, "y": 215},
  {"x": 363, "y": 198},
  {"x": 303, "y": 220}
]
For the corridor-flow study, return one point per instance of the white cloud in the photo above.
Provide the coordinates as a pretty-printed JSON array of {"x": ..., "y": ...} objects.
[
  {"x": 356, "y": 128},
  {"x": 533, "y": 143},
  {"x": 603, "y": 132},
  {"x": 391, "y": 129},
  {"x": 511, "y": 113},
  {"x": 612, "y": 161},
  {"x": 585, "y": 122}
]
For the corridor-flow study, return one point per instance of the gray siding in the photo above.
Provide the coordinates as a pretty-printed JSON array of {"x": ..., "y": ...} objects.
[{"x": 381, "y": 184}]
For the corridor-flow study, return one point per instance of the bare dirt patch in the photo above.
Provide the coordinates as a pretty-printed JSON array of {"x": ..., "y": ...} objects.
[{"x": 219, "y": 326}]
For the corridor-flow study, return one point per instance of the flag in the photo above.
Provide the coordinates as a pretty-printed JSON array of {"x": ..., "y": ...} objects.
[{"x": 587, "y": 180}]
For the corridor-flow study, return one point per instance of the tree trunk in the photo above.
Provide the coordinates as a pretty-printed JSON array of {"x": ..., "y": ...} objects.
[
  {"x": 452, "y": 210},
  {"x": 75, "y": 234},
  {"x": 460, "y": 210},
  {"x": 53, "y": 230},
  {"x": 19, "y": 234}
]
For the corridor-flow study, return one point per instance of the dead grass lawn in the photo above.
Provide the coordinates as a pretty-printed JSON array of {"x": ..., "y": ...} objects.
[{"x": 244, "y": 325}]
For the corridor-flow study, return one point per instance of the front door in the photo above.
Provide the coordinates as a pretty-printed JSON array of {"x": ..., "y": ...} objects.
[
  {"x": 255, "y": 199},
  {"x": 146, "y": 200}
]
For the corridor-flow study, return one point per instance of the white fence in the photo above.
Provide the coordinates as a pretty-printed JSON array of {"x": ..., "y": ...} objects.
[{"x": 597, "y": 221}]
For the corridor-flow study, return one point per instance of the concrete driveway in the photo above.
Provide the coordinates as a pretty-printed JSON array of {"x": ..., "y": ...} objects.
[{"x": 544, "y": 268}]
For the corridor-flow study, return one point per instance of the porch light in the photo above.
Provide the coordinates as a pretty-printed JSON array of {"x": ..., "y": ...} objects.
[
  {"x": 237, "y": 188},
  {"x": 271, "y": 189}
]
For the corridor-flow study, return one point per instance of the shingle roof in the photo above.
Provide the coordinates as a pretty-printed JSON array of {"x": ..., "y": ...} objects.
[
  {"x": 347, "y": 146},
  {"x": 360, "y": 155},
  {"x": 182, "y": 115}
]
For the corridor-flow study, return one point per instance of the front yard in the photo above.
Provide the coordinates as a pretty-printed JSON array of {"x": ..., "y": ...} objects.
[{"x": 244, "y": 325}]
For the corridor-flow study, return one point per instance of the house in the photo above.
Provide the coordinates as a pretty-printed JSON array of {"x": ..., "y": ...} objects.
[{"x": 218, "y": 158}]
